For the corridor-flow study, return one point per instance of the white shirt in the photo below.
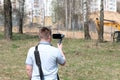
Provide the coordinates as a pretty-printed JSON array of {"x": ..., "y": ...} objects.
[{"x": 50, "y": 58}]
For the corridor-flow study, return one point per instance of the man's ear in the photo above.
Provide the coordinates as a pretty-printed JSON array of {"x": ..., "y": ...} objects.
[{"x": 49, "y": 37}]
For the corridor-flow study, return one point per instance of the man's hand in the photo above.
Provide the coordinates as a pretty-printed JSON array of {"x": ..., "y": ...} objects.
[
  {"x": 59, "y": 46},
  {"x": 29, "y": 71}
]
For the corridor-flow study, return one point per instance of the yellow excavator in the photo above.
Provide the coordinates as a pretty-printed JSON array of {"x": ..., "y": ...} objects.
[{"x": 110, "y": 23}]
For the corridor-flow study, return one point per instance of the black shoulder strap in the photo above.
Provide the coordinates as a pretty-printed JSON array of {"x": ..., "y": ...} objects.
[
  {"x": 58, "y": 77},
  {"x": 38, "y": 62}
]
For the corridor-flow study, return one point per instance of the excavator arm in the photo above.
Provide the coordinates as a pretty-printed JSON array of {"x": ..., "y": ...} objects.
[{"x": 110, "y": 23}]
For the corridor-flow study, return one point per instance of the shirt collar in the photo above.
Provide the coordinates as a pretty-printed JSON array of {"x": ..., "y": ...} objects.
[{"x": 45, "y": 43}]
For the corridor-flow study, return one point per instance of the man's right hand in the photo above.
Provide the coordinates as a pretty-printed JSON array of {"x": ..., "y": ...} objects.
[{"x": 59, "y": 46}]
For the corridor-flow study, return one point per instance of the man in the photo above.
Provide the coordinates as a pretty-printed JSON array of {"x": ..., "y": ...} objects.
[{"x": 49, "y": 55}]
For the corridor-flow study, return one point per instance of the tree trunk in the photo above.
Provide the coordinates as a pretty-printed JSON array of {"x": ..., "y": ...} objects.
[
  {"x": 8, "y": 20},
  {"x": 100, "y": 33},
  {"x": 70, "y": 14},
  {"x": 86, "y": 27},
  {"x": 86, "y": 30},
  {"x": 21, "y": 16},
  {"x": 20, "y": 25},
  {"x": 66, "y": 14}
]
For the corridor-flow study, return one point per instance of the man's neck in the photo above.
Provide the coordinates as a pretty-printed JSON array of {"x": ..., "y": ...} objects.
[{"x": 42, "y": 40}]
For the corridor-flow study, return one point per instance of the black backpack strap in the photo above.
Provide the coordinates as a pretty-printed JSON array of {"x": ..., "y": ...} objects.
[
  {"x": 58, "y": 77},
  {"x": 38, "y": 62}
]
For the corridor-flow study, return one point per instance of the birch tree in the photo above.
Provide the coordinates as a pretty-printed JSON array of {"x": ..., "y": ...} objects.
[
  {"x": 85, "y": 19},
  {"x": 66, "y": 14}
]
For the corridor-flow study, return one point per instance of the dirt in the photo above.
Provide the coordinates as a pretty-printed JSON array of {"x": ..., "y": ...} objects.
[{"x": 107, "y": 15}]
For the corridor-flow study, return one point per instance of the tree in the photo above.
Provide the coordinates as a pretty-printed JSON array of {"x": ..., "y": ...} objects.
[
  {"x": 118, "y": 7},
  {"x": 58, "y": 11},
  {"x": 8, "y": 20},
  {"x": 21, "y": 15},
  {"x": 72, "y": 14},
  {"x": 85, "y": 18},
  {"x": 100, "y": 33},
  {"x": 66, "y": 14}
]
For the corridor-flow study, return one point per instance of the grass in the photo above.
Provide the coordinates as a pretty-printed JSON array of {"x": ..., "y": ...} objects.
[{"x": 85, "y": 59}]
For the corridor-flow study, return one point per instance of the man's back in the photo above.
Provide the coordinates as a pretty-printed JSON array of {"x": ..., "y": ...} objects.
[{"x": 50, "y": 57}]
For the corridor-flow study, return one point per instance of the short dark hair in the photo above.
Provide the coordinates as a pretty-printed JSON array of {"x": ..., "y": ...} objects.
[{"x": 44, "y": 33}]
